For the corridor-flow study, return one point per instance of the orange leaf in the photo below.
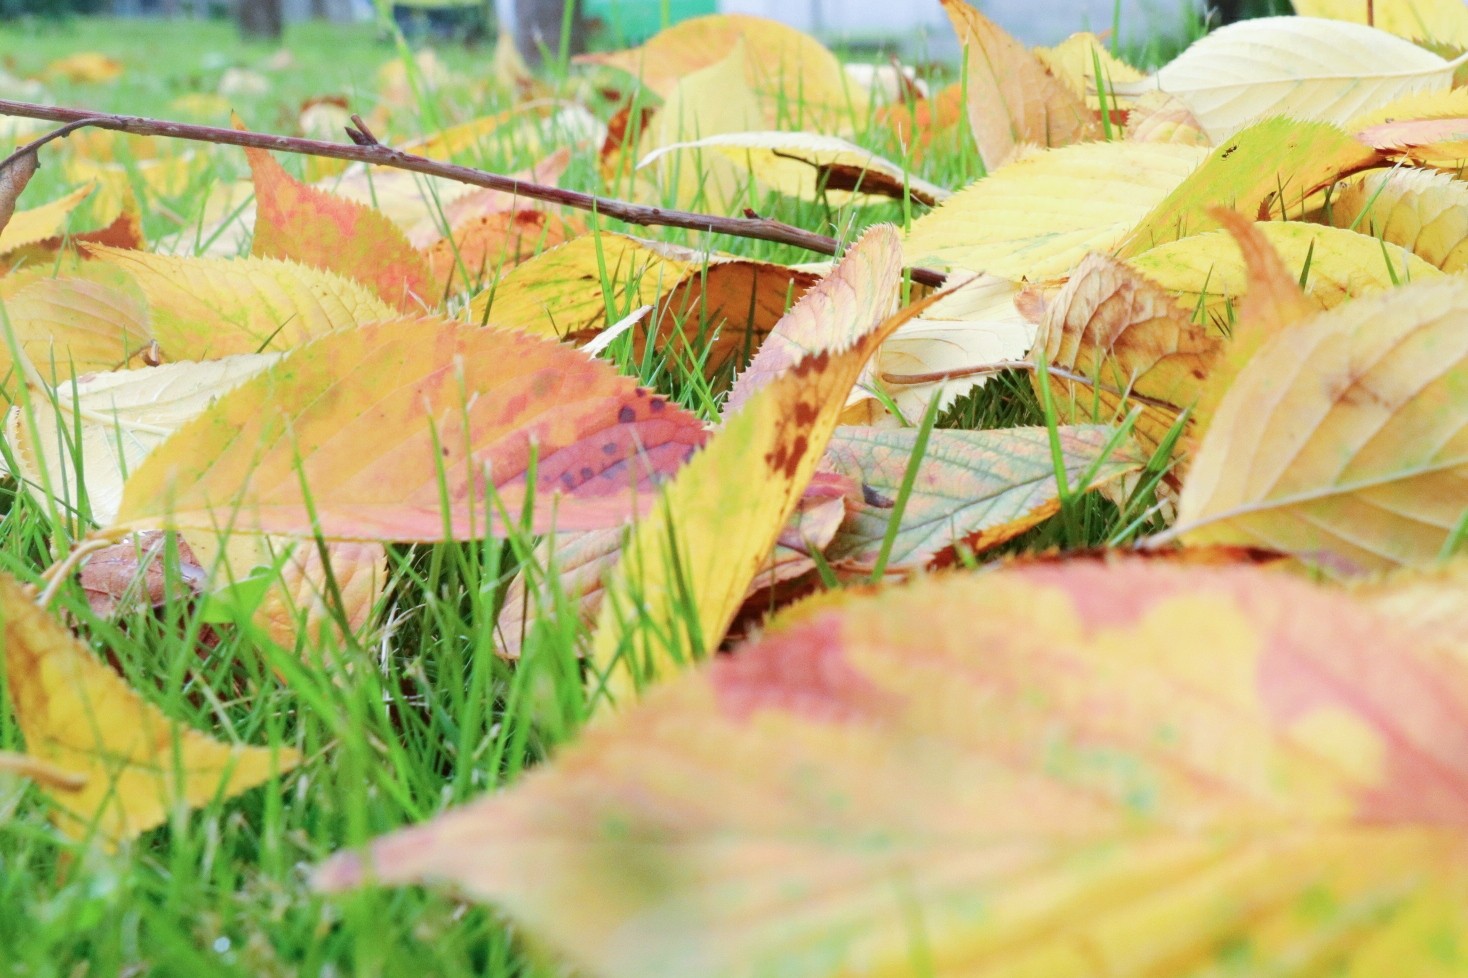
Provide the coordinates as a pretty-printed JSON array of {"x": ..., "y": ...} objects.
[{"x": 299, "y": 222}]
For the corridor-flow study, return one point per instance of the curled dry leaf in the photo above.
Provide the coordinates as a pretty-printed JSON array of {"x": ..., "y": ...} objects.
[
  {"x": 1132, "y": 339},
  {"x": 13, "y": 180},
  {"x": 206, "y": 308},
  {"x": 1036, "y": 218},
  {"x": 415, "y": 430},
  {"x": 1299, "y": 67},
  {"x": 78, "y": 715},
  {"x": 812, "y": 166},
  {"x": 1344, "y": 437},
  {"x": 973, "y": 489},
  {"x": 1012, "y": 99},
  {"x": 49, "y": 775},
  {"x": 1422, "y": 211},
  {"x": 480, "y": 249},
  {"x": 131, "y": 575},
  {"x": 1067, "y": 769},
  {"x": 1206, "y": 272},
  {"x": 700, "y": 299},
  {"x": 321, "y": 230}
]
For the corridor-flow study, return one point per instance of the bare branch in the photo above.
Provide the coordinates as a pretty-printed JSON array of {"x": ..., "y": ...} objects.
[{"x": 376, "y": 153}]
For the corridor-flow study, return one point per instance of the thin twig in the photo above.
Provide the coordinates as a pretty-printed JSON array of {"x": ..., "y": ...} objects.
[
  {"x": 36, "y": 144},
  {"x": 642, "y": 215}
]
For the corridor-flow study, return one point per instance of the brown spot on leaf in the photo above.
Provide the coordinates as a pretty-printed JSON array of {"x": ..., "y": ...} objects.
[{"x": 626, "y": 415}]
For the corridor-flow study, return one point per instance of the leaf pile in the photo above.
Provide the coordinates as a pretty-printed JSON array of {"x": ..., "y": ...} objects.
[{"x": 1204, "y": 324}]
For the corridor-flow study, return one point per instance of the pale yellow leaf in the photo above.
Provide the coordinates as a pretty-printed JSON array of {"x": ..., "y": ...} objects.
[
  {"x": 1037, "y": 218},
  {"x": 1420, "y": 210},
  {"x": 205, "y": 308},
  {"x": 1442, "y": 21},
  {"x": 1300, "y": 67},
  {"x": 42, "y": 222}
]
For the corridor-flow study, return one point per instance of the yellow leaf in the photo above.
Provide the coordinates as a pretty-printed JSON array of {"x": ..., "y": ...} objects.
[
  {"x": 1073, "y": 62},
  {"x": 1062, "y": 770},
  {"x": 1278, "y": 167},
  {"x": 1134, "y": 342},
  {"x": 206, "y": 308},
  {"x": 1039, "y": 216},
  {"x": 78, "y": 715},
  {"x": 682, "y": 574},
  {"x": 1422, "y": 211},
  {"x": 780, "y": 59},
  {"x": 1344, "y": 436},
  {"x": 1206, "y": 271},
  {"x": 1156, "y": 117},
  {"x": 1443, "y": 21},
  {"x": 1299, "y": 67},
  {"x": 813, "y": 166},
  {"x": 39, "y": 223},
  {"x": 78, "y": 442},
  {"x": 1012, "y": 99},
  {"x": 84, "y": 68},
  {"x": 49, "y": 775},
  {"x": 71, "y": 326},
  {"x": 164, "y": 176},
  {"x": 728, "y": 304}
]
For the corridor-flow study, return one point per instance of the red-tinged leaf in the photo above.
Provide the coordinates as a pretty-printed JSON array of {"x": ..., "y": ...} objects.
[
  {"x": 405, "y": 430},
  {"x": 299, "y": 222},
  {"x": 1061, "y": 770}
]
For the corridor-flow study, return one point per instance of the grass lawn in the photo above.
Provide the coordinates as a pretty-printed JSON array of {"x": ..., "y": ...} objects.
[{"x": 423, "y": 717}]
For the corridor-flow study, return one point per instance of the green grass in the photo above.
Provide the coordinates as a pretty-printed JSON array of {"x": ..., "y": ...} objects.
[{"x": 396, "y": 726}]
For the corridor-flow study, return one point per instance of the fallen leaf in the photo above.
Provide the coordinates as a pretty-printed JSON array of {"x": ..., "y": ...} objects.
[
  {"x": 78, "y": 715},
  {"x": 1065, "y": 769},
  {"x": 925, "y": 127},
  {"x": 710, "y": 310},
  {"x": 683, "y": 575},
  {"x": 39, "y": 223},
  {"x": 1278, "y": 167},
  {"x": 1300, "y": 67},
  {"x": 1039, "y": 216},
  {"x": 780, "y": 58},
  {"x": 83, "y": 68},
  {"x": 482, "y": 248},
  {"x": 1422, "y": 211},
  {"x": 299, "y": 222},
  {"x": 132, "y": 576},
  {"x": 1073, "y": 63},
  {"x": 1012, "y": 99},
  {"x": 78, "y": 442},
  {"x": 973, "y": 489},
  {"x": 13, "y": 180},
  {"x": 1157, "y": 117},
  {"x": 415, "y": 430},
  {"x": 1343, "y": 436},
  {"x": 67, "y": 327},
  {"x": 206, "y": 308},
  {"x": 1444, "y": 21},
  {"x": 49, "y": 775},
  {"x": 1206, "y": 271},
  {"x": 811, "y": 166},
  {"x": 1132, "y": 340}
]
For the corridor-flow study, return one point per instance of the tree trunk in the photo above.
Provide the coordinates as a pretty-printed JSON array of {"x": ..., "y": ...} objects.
[
  {"x": 538, "y": 29},
  {"x": 260, "y": 20}
]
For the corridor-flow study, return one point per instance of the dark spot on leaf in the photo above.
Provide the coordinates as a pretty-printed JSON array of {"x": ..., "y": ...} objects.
[
  {"x": 610, "y": 448},
  {"x": 587, "y": 473},
  {"x": 641, "y": 392},
  {"x": 445, "y": 451},
  {"x": 805, "y": 413},
  {"x": 872, "y": 497},
  {"x": 656, "y": 404},
  {"x": 627, "y": 415},
  {"x": 568, "y": 480}
]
